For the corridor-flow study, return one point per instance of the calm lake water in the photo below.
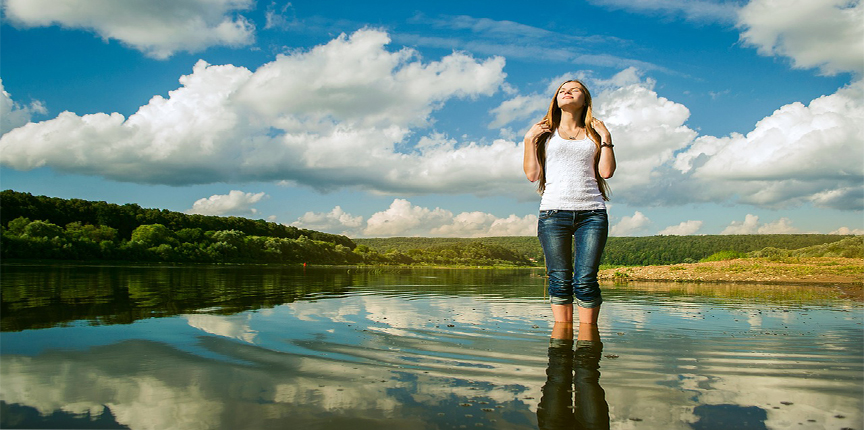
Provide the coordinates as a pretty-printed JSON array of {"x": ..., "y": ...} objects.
[{"x": 333, "y": 348}]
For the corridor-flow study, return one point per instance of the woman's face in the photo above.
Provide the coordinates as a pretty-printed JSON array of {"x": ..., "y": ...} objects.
[{"x": 571, "y": 94}]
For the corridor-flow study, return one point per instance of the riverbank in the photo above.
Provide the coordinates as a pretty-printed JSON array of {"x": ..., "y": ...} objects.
[{"x": 845, "y": 273}]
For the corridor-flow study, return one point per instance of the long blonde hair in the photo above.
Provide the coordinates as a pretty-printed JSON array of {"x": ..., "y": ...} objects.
[{"x": 553, "y": 120}]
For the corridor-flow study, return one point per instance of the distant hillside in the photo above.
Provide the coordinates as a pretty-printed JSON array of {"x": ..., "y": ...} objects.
[
  {"x": 850, "y": 247},
  {"x": 524, "y": 245},
  {"x": 628, "y": 251},
  {"x": 654, "y": 250}
]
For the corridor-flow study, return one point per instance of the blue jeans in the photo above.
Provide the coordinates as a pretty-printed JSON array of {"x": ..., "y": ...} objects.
[{"x": 569, "y": 275}]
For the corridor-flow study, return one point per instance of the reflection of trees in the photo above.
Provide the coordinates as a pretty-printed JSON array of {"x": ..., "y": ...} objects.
[{"x": 46, "y": 296}]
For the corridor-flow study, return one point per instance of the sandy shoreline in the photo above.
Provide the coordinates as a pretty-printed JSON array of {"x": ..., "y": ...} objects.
[{"x": 844, "y": 273}]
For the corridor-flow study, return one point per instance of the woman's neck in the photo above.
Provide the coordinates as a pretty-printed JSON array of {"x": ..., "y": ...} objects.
[{"x": 570, "y": 120}]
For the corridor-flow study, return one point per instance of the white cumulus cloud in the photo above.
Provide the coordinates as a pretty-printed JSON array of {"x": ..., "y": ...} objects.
[
  {"x": 685, "y": 228},
  {"x": 823, "y": 34},
  {"x": 329, "y": 117},
  {"x": 649, "y": 128},
  {"x": 480, "y": 224},
  {"x": 790, "y": 157},
  {"x": 751, "y": 225},
  {"x": 403, "y": 218},
  {"x": 520, "y": 108},
  {"x": 513, "y": 226},
  {"x": 159, "y": 29},
  {"x": 13, "y": 114},
  {"x": 336, "y": 221},
  {"x": 235, "y": 202},
  {"x": 630, "y": 225},
  {"x": 847, "y": 230}
]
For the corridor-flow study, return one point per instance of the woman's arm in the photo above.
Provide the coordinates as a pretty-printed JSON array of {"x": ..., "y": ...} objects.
[
  {"x": 606, "y": 165},
  {"x": 530, "y": 163}
]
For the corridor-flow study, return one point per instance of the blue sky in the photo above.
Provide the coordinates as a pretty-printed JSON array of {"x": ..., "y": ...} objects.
[{"x": 377, "y": 119}]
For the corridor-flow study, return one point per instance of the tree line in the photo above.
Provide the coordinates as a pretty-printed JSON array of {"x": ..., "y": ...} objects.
[
  {"x": 40, "y": 227},
  {"x": 658, "y": 250},
  {"x": 639, "y": 251},
  {"x": 37, "y": 297},
  {"x": 126, "y": 218}
]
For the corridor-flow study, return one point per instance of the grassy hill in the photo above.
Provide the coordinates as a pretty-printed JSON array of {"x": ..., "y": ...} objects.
[{"x": 629, "y": 251}]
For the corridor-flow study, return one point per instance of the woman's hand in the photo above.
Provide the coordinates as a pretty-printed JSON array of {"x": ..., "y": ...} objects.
[
  {"x": 606, "y": 164},
  {"x": 601, "y": 129},
  {"x": 536, "y": 130}
]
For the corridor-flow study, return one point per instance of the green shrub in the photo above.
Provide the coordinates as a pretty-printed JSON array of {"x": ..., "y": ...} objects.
[
  {"x": 723, "y": 256},
  {"x": 770, "y": 253}
]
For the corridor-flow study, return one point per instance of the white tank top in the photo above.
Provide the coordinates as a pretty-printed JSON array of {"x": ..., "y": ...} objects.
[{"x": 570, "y": 181}]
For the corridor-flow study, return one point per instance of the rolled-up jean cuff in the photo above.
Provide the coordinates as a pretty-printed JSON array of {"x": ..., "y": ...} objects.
[
  {"x": 588, "y": 305},
  {"x": 589, "y": 344},
  {"x": 561, "y": 343},
  {"x": 561, "y": 300}
]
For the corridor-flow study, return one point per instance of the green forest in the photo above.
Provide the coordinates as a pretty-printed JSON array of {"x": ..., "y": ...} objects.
[
  {"x": 50, "y": 228},
  {"x": 640, "y": 251}
]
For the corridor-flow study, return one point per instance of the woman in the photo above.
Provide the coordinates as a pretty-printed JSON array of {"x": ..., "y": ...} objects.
[{"x": 570, "y": 154}]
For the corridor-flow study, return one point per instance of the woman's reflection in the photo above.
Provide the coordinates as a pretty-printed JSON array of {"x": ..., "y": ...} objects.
[{"x": 573, "y": 374}]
